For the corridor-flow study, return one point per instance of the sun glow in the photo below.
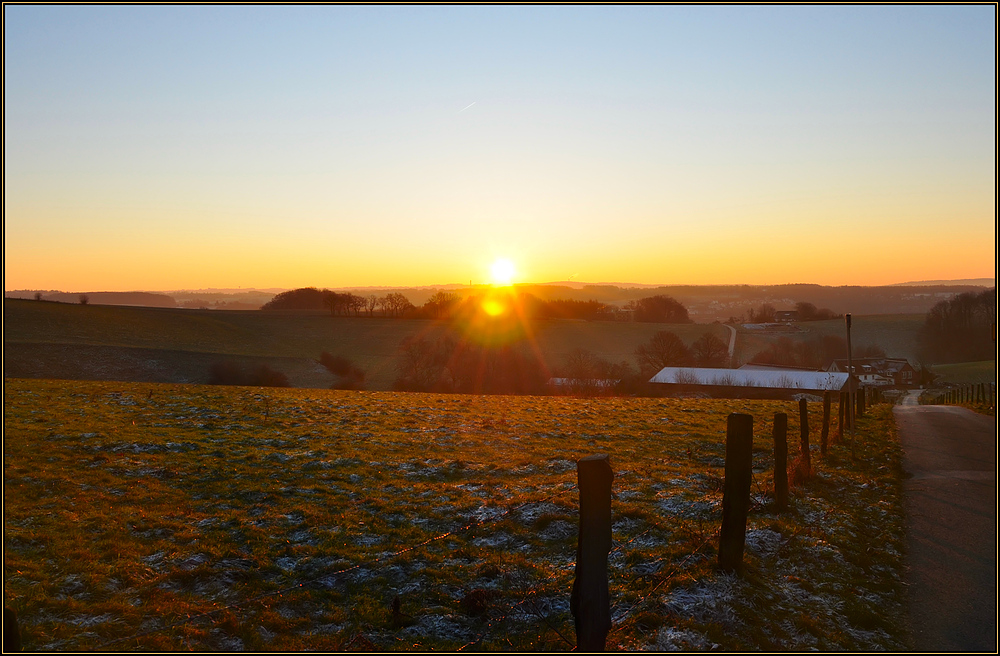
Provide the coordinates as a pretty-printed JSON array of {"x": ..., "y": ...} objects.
[
  {"x": 502, "y": 271},
  {"x": 493, "y": 307}
]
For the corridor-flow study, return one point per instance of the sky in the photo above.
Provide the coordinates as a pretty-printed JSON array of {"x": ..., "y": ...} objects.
[{"x": 170, "y": 147}]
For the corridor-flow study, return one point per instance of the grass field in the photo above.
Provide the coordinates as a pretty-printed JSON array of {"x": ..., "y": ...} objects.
[
  {"x": 965, "y": 373},
  {"x": 167, "y": 517},
  {"x": 896, "y": 333},
  {"x": 57, "y": 340}
]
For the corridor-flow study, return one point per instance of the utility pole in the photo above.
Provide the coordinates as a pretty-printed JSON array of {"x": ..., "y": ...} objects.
[{"x": 850, "y": 381}]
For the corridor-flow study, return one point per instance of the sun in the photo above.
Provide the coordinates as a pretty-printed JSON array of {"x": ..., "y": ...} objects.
[{"x": 502, "y": 271}]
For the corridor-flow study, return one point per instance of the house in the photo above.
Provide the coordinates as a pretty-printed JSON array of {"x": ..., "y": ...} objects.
[{"x": 879, "y": 372}]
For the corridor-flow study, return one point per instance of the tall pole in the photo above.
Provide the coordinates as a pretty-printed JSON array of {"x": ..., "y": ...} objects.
[{"x": 850, "y": 381}]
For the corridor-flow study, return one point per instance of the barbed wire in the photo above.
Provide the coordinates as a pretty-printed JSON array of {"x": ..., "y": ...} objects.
[
  {"x": 663, "y": 579},
  {"x": 526, "y": 598},
  {"x": 384, "y": 560}
]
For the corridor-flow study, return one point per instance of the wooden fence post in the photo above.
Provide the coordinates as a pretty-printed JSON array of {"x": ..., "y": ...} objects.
[
  {"x": 840, "y": 418},
  {"x": 860, "y": 411},
  {"x": 780, "y": 460},
  {"x": 736, "y": 491},
  {"x": 590, "y": 601},
  {"x": 804, "y": 436},
  {"x": 11, "y": 633},
  {"x": 825, "y": 435}
]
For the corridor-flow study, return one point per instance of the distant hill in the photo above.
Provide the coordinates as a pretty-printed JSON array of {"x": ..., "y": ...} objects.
[
  {"x": 978, "y": 282},
  {"x": 145, "y": 299},
  {"x": 705, "y": 303},
  {"x": 103, "y": 342}
]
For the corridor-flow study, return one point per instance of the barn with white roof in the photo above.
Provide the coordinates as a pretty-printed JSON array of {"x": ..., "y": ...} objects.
[{"x": 747, "y": 382}]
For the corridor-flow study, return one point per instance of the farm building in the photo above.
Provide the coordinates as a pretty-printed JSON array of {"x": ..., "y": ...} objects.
[
  {"x": 879, "y": 372},
  {"x": 746, "y": 383},
  {"x": 774, "y": 367}
]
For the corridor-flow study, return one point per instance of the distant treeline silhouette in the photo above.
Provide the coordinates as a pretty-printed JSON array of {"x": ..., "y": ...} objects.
[
  {"x": 445, "y": 305},
  {"x": 960, "y": 330},
  {"x": 766, "y": 313}
]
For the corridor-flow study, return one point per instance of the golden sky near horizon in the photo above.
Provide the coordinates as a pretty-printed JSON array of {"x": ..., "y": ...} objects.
[{"x": 171, "y": 147}]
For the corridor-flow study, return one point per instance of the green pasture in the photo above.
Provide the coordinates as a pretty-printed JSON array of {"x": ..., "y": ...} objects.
[{"x": 965, "y": 373}]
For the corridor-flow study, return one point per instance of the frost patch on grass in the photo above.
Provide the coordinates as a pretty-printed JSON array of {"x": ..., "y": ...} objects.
[
  {"x": 678, "y": 505},
  {"x": 440, "y": 627},
  {"x": 763, "y": 541},
  {"x": 531, "y": 512},
  {"x": 558, "y": 530},
  {"x": 367, "y": 540},
  {"x": 303, "y": 537},
  {"x": 194, "y": 561},
  {"x": 560, "y": 466},
  {"x": 227, "y": 643},
  {"x": 708, "y": 601},
  {"x": 671, "y": 639},
  {"x": 286, "y": 563},
  {"x": 487, "y": 513},
  {"x": 498, "y": 539}
]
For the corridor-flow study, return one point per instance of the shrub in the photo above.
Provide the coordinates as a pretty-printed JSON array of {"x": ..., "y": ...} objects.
[
  {"x": 348, "y": 376},
  {"x": 228, "y": 372}
]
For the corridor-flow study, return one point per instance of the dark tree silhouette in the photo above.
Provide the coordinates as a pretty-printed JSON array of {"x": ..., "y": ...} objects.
[
  {"x": 660, "y": 309},
  {"x": 304, "y": 298},
  {"x": 763, "y": 314},
  {"x": 960, "y": 330},
  {"x": 664, "y": 349},
  {"x": 710, "y": 351}
]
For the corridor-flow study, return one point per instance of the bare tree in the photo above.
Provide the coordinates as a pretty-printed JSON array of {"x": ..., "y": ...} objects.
[
  {"x": 709, "y": 351},
  {"x": 664, "y": 349},
  {"x": 84, "y": 299},
  {"x": 399, "y": 304},
  {"x": 371, "y": 302}
]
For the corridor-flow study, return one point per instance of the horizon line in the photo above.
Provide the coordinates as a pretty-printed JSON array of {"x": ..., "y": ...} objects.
[{"x": 956, "y": 282}]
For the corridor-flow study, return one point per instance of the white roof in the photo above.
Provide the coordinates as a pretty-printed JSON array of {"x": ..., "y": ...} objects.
[
  {"x": 596, "y": 382},
  {"x": 802, "y": 380}
]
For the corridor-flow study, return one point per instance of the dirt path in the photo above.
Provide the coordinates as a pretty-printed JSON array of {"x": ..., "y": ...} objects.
[{"x": 950, "y": 456}]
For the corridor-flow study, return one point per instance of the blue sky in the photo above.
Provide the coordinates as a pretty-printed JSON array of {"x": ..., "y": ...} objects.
[{"x": 161, "y": 147}]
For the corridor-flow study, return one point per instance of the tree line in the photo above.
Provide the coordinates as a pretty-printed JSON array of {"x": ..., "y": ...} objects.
[
  {"x": 343, "y": 304},
  {"x": 767, "y": 313},
  {"x": 962, "y": 329},
  {"x": 445, "y": 305}
]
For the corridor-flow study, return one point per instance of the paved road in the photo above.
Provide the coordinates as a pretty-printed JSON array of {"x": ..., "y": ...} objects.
[
  {"x": 950, "y": 498},
  {"x": 732, "y": 345}
]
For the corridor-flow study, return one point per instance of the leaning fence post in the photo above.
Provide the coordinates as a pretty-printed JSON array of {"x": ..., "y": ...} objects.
[
  {"x": 804, "y": 436},
  {"x": 736, "y": 491},
  {"x": 825, "y": 435},
  {"x": 780, "y": 460},
  {"x": 590, "y": 601}
]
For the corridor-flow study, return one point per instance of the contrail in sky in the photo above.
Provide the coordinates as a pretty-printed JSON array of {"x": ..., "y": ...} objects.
[{"x": 467, "y": 106}]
